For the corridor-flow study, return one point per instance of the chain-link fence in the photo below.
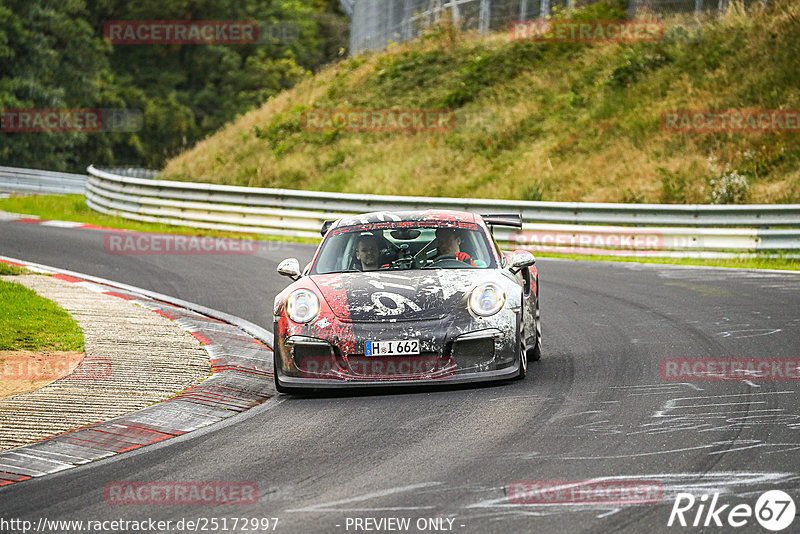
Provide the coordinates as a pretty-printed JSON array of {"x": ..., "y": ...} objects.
[{"x": 376, "y": 23}]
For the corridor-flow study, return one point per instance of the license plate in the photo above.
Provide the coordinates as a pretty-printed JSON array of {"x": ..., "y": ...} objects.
[{"x": 392, "y": 348}]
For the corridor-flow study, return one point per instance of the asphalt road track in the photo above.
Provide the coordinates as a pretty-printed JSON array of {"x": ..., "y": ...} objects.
[{"x": 594, "y": 407}]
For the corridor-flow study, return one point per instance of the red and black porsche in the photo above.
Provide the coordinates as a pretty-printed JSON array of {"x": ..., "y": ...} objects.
[{"x": 404, "y": 298}]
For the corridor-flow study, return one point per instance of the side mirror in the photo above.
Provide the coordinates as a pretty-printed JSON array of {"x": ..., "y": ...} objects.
[
  {"x": 290, "y": 267},
  {"x": 520, "y": 260}
]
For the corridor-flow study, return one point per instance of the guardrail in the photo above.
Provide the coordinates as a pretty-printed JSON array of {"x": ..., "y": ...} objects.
[
  {"x": 36, "y": 181},
  {"x": 285, "y": 212}
]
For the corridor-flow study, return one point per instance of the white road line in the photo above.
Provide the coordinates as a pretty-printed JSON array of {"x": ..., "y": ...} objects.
[{"x": 334, "y": 505}]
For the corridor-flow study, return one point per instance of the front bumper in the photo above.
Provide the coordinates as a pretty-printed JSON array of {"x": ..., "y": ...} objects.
[
  {"x": 485, "y": 349},
  {"x": 325, "y": 383}
]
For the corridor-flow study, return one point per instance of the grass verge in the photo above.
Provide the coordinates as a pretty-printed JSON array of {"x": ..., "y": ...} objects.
[
  {"x": 73, "y": 208},
  {"x": 10, "y": 270},
  {"x": 31, "y": 322}
]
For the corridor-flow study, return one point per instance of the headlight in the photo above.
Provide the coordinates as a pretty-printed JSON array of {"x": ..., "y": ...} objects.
[
  {"x": 302, "y": 306},
  {"x": 487, "y": 299}
]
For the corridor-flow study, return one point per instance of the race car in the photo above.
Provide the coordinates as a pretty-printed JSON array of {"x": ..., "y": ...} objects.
[{"x": 403, "y": 298}]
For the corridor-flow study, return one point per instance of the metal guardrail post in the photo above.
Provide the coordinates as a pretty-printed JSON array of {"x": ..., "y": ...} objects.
[
  {"x": 484, "y": 16},
  {"x": 347, "y": 7},
  {"x": 632, "y": 7},
  {"x": 544, "y": 9},
  {"x": 407, "y": 22},
  {"x": 455, "y": 13}
]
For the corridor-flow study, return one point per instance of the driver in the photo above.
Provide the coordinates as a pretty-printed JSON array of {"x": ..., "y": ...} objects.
[
  {"x": 367, "y": 252},
  {"x": 449, "y": 242}
]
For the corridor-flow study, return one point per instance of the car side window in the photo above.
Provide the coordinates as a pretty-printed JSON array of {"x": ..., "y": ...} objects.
[{"x": 332, "y": 258}]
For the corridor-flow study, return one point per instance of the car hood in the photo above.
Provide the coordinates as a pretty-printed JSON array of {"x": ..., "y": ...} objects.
[{"x": 397, "y": 295}]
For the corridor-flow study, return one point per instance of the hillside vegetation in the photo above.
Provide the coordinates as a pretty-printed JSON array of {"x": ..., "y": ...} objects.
[
  {"x": 53, "y": 55},
  {"x": 537, "y": 121}
]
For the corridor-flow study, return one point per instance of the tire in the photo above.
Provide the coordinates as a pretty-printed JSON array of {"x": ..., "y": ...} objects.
[
  {"x": 535, "y": 353},
  {"x": 278, "y": 386},
  {"x": 523, "y": 355}
]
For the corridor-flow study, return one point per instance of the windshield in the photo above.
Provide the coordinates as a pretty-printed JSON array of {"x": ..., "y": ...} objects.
[{"x": 391, "y": 246}]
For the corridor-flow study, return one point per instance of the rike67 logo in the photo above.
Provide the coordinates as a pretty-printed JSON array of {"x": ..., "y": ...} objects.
[{"x": 774, "y": 510}]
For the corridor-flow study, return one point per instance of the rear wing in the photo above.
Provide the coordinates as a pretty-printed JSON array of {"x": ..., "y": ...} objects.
[
  {"x": 503, "y": 219},
  {"x": 498, "y": 219}
]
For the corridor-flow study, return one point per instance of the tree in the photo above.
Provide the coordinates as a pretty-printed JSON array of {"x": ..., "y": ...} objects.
[{"x": 52, "y": 55}]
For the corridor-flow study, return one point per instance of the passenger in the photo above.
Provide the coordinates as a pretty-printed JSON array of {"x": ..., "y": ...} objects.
[{"x": 448, "y": 242}]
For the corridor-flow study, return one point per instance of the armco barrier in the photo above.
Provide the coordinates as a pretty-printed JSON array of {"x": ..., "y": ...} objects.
[
  {"x": 590, "y": 228},
  {"x": 36, "y": 181}
]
